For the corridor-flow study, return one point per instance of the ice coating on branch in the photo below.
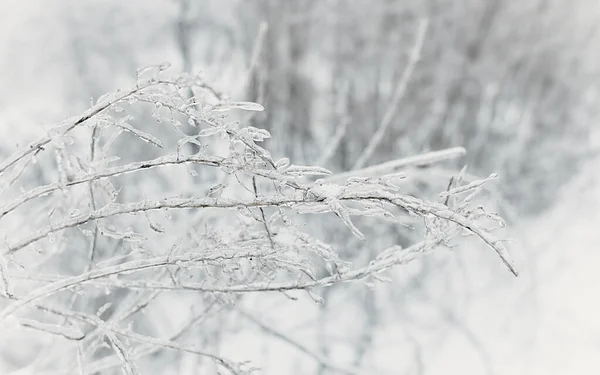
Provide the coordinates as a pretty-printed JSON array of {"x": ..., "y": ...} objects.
[{"x": 246, "y": 106}]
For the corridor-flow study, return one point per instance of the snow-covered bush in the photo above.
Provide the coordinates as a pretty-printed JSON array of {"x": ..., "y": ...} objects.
[{"x": 110, "y": 258}]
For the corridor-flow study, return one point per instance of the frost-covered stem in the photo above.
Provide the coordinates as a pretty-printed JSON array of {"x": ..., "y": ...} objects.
[
  {"x": 92, "y": 249},
  {"x": 443, "y": 212},
  {"x": 165, "y": 344},
  {"x": 132, "y": 266},
  {"x": 262, "y": 215},
  {"x": 6, "y": 284},
  {"x": 398, "y": 94},
  {"x": 408, "y": 203},
  {"x": 54, "y": 329},
  {"x": 122, "y": 353},
  {"x": 107, "y": 363},
  {"x": 37, "y": 146},
  {"x": 396, "y": 256},
  {"x": 94, "y": 239},
  {"x": 110, "y": 172},
  {"x": 118, "y": 318},
  {"x": 116, "y": 209},
  {"x": 230, "y": 132},
  {"x": 152, "y": 341},
  {"x": 138, "y": 304},
  {"x": 400, "y": 164}
]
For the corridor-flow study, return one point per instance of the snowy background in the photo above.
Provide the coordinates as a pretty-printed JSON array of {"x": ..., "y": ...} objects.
[{"x": 514, "y": 83}]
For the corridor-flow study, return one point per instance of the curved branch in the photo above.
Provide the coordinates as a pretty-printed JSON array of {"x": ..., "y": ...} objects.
[{"x": 37, "y": 146}]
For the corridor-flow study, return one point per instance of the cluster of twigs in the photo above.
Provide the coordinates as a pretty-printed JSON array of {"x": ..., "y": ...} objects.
[{"x": 264, "y": 251}]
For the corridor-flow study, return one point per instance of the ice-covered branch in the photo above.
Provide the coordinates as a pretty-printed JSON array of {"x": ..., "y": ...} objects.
[
  {"x": 394, "y": 166},
  {"x": 112, "y": 329},
  {"x": 109, "y": 172},
  {"x": 61, "y": 130},
  {"x": 132, "y": 266},
  {"x": 411, "y": 204},
  {"x": 391, "y": 257}
]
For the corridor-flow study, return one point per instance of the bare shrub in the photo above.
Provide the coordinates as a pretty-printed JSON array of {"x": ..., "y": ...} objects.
[{"x": 98, "y": 249}]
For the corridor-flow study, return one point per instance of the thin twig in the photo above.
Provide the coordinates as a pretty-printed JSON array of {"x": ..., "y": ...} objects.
[
  {"x": 408, "y": 203},
  {"x": 148, "y": 340},
  {"x": 396, "y": 256},
  {"x": 122, "y": 353},
  {"x": 108, "y": 363},
  {"x": 110, "y": 172},
  {"x": 94, "y": 239},
  {"x": 262, "y": 214},
  {"x": 4, "y": 280},
  {"x": 400, "y": 164},
  {"x": 37, "y": 146},
  {"x": 396, "y": 98},
  {"x": 132, "y": 266}
]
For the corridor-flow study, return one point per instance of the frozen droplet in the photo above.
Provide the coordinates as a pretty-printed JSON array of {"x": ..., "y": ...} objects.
[
  {"x": 282, "y": 163},
  {"x": 103, "y": 308}
]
